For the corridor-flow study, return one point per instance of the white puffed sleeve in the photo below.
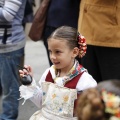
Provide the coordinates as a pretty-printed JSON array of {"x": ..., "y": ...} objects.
[
  {"x": 30, "y": 92},
  {"x": 86, "y": 81},
  {"x": 33, "y": 91},
  {"x": 37, "y": 96}
]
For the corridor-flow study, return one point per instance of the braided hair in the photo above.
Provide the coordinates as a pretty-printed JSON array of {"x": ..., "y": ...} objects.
[{"x": 91, "y": 105}]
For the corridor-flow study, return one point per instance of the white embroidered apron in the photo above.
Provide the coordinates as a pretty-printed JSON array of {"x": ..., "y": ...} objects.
[{"x": 57, "y": 103}]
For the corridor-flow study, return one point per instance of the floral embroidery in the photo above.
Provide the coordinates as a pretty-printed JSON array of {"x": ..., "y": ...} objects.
[
  {"x": 75, "y": 70},
  {"x": 59, "y": 100},
  {"x": 60, "y": 109},
  {"x": 53, "y": 96},
  {"x": 65, "y": 98}
]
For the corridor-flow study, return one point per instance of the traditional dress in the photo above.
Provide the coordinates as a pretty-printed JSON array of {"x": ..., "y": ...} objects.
[{"x": 56, "y": 95}]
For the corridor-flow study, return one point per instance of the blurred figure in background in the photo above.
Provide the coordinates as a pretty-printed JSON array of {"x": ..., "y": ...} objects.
[
  {"x": 12, "y": 43},
  {"x": 60, "y": 12},
  {"x": 100, "y": 103},
  {"x": 29, "y": 13},
  {"x": 0, "y": 89},
  {"x": 99, "y": 22}
]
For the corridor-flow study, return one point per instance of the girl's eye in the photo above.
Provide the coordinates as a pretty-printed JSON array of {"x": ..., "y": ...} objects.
[{"x": 57, "y": 51}]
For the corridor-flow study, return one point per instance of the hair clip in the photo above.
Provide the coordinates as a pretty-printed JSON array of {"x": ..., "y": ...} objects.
[
  {"x": 82, "y": 45},
  {"x": 112, "y": 104}
]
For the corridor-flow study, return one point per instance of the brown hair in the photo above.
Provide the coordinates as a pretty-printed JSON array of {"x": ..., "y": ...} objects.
[
  {"x": 66, "y": 33},
  {"x": 91, "y": 106}
]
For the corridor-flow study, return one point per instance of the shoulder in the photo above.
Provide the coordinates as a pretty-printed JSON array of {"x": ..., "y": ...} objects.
[
  {"x": 86, "y": 81},
  {"x": 43, "y": 77},
  {"x": 52, "y": 72}
]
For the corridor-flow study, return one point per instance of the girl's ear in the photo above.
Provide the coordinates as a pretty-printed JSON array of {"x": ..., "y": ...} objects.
[{"x": 75, "y": 52}]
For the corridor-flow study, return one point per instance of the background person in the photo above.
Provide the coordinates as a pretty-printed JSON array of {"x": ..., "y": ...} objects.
[
  {"x": 99, "y": 22},
  {"x": 100, "y": 103},
  {"x": 12, "y": 42},
  {"x": 29, "y": 13}
]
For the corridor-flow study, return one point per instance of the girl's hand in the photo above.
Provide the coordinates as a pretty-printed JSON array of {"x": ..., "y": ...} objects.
[
  {"x": 26, "y": 75},
  {"x": 25, "y": 71}
]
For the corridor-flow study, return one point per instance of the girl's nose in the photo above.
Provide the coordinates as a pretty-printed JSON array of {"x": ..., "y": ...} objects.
[{"x": 52, "y": 56}]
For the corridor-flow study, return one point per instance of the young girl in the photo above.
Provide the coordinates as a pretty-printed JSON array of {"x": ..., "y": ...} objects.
[
  {"x": 100, "y": 103},
  {"x": 63, "y": 81}
]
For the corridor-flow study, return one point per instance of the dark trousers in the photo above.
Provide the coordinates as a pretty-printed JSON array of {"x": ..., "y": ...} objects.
[
  {"x": 0, "y": 89},
  {"x": 102, "y": 63}
]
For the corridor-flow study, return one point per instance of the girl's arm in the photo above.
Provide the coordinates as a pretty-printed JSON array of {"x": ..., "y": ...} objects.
[
  {"x": 8, "y": 9},
  {"x": 33, "y": 91},
  {"x": 37, "y": 98}
]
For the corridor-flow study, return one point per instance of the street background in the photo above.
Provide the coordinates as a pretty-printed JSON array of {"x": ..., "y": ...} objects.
[{"x": 36, "y": 57}]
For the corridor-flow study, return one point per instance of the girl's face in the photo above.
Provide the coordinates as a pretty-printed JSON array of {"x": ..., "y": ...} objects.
[{"x": 61, "y": 55}]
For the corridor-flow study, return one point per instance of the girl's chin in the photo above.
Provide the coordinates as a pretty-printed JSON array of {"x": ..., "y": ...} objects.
[{"x": 57, "y": 66}]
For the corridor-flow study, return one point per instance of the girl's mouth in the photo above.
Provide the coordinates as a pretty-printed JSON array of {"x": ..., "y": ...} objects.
[{"x": 56, "y": 63}]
